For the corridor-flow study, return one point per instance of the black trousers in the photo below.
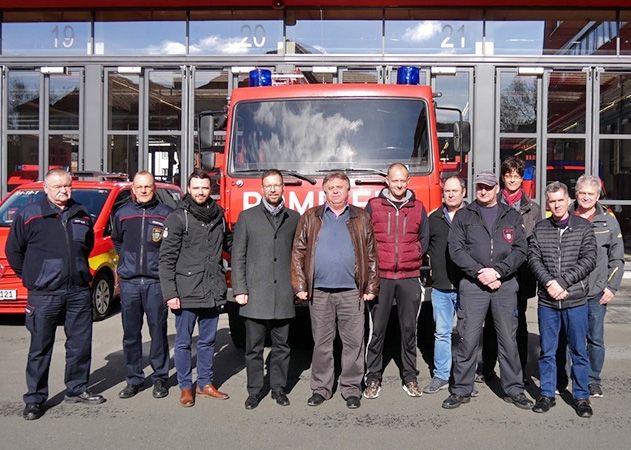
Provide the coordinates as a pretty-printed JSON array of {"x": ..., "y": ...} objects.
[
  {"x": 472, "y": 310},
  {"x": 43, "y": 312},
  {"x": 407, "y": 291},
  {"x": 489, "y": 340},
  {"x": 255, "y": 331}
]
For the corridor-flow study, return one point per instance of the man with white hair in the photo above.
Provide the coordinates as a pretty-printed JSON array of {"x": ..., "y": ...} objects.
[
  {"x": 48, "y": 248},
  {"x": 605, "y": 279}
]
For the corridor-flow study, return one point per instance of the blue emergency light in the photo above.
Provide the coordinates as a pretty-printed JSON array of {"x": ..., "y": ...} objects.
[
  {"x": 408, "y": 75},
  {"x": 260, "y": 77}
]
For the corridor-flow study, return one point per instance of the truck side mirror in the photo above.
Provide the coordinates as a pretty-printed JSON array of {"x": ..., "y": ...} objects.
[
  {"x": 206, "y": 131},
  {"x": 462, "y": 136}
]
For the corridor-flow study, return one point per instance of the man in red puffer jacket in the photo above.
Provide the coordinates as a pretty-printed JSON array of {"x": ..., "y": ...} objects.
[{"x": 402, "y": 235}]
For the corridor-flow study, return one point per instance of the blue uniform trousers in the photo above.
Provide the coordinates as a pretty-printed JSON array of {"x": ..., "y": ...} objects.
[{"x": 43, "y": 313}]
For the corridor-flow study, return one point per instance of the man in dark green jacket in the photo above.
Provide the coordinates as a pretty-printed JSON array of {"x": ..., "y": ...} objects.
[
  {"x": 193, "y": 282},
  {"x": 261, "y": 284}
]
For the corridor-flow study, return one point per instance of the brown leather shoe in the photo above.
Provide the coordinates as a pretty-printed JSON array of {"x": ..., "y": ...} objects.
[
  {"x": 186, "y": 398},
  {"x": 211, "y": 391}
]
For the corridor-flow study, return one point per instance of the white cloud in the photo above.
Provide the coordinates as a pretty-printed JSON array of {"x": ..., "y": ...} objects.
[
  {"x": 210, "y": 45},
  {"x": 422, "y": 32}
]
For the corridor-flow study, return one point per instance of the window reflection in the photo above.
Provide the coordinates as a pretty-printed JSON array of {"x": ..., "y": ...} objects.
[
  {"x": 566, "y": 161},
  {"x": 518, "y": 103},
  {"x": 567, "y": 102},
  {"x": 122, "y": 153},
  {"x": 235, "y": 31},
  {"x": 23, "y": 101},
  {"x": 158, "y": 33},
  {"x": 22, "y": 159},
  {"x": 164, "y": 158},
  {"x": 63, "y": 152},
  {"x": 165, "y": 100},
  {"x": 122, "y": 102},
  {"x": 615, "y": 103},
  {"x": 615, "y": 168},
  {"x": 334, "y": 31},
  {"x": 64, "y": 101},
  {"x": 552, "y": 32},
  {"x": 433, "y": 32}
]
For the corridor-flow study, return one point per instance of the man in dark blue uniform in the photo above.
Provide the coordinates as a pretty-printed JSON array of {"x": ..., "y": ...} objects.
[
  {"x": 137, "y": 234},
  {"x": 56, "y": 273}
]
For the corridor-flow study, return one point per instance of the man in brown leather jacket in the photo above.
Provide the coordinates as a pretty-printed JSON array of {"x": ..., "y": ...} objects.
[{"x": 334, "y": 266}]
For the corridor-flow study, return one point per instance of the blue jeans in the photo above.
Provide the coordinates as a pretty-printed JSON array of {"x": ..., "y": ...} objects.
[
  {"x": 444, "y": 304},
  {"x": 185, "y": 319},
  {"x": 575, "y": 322},
  {"x": 596, "y": 338}
]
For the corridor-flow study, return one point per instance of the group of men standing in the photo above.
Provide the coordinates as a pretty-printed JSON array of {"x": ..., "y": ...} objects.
[{"x": 486, "y": 259}]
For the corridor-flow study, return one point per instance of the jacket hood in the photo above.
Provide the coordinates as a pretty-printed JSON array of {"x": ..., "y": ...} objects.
[{"x": 409, "y": 195}]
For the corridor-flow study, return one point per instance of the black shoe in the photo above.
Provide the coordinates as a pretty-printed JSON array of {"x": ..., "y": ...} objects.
[
  {"x": 252, "y": 402},
  {"x": 129, "y": 391},
  {"x": 595, "y": 391},
  {"x": 519, "y": 400},
  {"x": 160, "y": 389},
  {"x": 315, "y": 400},
  {"x": 353, "y": 402},
  {"x": 280, "y": 397},
  {"x": 455, "y": 400},
  {"x": 583, "y": 408},
  {"x": 544, "y": 404},
  {"x": 87, "y": 398},
  {"x": 33, "y": 411}
]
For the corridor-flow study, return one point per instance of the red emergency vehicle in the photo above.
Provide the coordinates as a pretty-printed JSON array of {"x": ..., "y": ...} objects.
[{"x": 309, "y": 130}]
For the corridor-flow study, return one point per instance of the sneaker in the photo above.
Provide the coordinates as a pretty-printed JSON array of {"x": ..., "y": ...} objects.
[
  {"x": 583, "y": 408},
  {"x": 412, "y": 389},
  {"x": 475, "y": 393},
  {"x": 595, "y": 391},
  {"x": 455, "y": 400},
  {"x": 519, "y": 400},
  {"x": 373, "y": 387},
  {"x": 437, "y": 384},
  {"x": 544, "y": 404}
]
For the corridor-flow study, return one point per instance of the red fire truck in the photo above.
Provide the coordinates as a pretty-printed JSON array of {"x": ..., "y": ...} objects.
[{"x": 309, "y": 130}]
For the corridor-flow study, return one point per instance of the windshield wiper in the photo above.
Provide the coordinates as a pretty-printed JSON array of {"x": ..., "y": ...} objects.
[
  {"x": 356, "y": 170},
  {"x": 291, "y": 173}
]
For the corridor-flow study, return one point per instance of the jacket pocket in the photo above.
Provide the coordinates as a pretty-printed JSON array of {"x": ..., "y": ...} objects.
[
  {"x": 50, "y": 274},
  {"x": 82, "y": 271},
  {"x": 190, "y": 284},
  {"x": 80, "y": 229}
]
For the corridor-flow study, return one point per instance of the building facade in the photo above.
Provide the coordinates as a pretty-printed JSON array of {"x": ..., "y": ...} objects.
[{"x": 117, "y": 86}]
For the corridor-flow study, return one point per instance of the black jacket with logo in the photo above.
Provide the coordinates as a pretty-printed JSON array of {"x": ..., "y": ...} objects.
[
  {"x": 474, "y": 246},
  {"x": 137, "y": 234},
  {"x": 48, "y": 249}
]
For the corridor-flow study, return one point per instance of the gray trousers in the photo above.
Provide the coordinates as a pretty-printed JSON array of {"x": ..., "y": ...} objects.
[
  {"x": 348, "y": 309},
  {"x": 474, "y": 304}
]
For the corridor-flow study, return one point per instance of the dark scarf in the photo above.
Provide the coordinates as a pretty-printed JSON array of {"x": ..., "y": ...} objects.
[
  {"x": 204, "y": 213},
  {"x": 563, "y": 223}
]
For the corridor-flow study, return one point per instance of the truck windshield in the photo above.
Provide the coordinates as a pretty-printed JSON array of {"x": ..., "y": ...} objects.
[{"x": 315, "y": 135}]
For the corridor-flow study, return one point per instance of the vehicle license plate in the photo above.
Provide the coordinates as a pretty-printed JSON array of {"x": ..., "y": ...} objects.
[{"x": 8, "y": 294}]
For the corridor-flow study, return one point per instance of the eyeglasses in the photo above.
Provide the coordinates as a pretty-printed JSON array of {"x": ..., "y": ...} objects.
[{"x": 275, "y": 187}]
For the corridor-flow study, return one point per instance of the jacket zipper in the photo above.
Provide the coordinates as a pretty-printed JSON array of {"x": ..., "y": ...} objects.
[
  {"x": 142, "y": 243},
  {"x": 64, "y": 224},
  {"x": 558, "y": 303},
  {"x": 396, "y": 241}
]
